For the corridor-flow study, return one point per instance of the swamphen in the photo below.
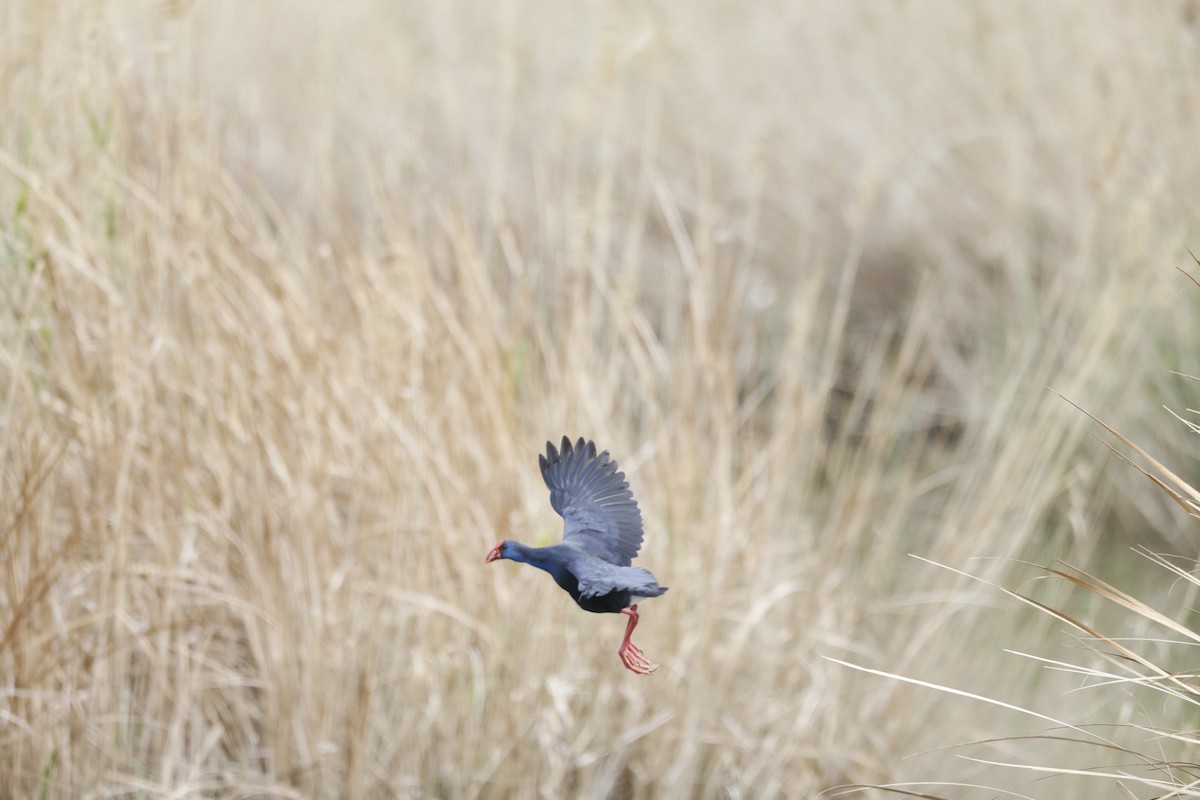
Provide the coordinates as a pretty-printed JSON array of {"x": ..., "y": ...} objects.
[{"x": 602, "y": 532}]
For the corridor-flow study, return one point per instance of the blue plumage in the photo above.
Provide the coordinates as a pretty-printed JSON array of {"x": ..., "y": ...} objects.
[{"x": 602, "y": 533}]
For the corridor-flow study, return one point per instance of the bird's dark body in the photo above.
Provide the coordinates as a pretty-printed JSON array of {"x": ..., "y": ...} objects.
[
  {"x": 563, "y": 560},
  {"x": 610, "y": 603}
]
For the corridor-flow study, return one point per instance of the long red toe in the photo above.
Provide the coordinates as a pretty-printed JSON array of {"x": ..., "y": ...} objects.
[{"x": 634, "y": 661}]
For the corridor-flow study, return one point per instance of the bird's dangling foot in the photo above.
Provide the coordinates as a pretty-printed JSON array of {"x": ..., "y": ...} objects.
[
  {"x": 634, "y": 661},
  {"x": 630, "y": 653}
]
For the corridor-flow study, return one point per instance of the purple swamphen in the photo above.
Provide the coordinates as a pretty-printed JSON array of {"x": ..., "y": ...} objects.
[{"x": 602, "y": 532}]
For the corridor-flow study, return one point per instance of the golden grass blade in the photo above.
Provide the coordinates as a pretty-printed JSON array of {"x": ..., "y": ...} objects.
[
  {"x": 1177, "y": 482},
  {"x": 961, "y": 693},
  {"x": 899, "y": 790},
  {"x": 1172, "y": 789}
]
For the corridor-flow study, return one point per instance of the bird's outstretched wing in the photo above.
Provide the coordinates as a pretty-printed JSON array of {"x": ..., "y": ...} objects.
[{"x": 599, "y": 513}]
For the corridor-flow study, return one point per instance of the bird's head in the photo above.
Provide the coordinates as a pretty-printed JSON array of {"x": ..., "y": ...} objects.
[{"x": 501, "y": 550}]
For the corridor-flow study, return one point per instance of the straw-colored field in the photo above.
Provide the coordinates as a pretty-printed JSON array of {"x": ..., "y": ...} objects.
[{"x": 293, "y": 293}]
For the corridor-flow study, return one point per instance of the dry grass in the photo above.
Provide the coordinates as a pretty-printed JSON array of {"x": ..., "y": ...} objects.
[
  {"x": 292, "y": 296},
  {"x": 1141, "y": 739}
]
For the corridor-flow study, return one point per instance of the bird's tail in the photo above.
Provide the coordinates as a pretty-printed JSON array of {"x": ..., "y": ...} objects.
[{"x": 645, "y": 584}]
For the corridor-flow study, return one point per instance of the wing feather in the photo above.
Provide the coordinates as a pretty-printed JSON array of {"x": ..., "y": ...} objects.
[
  {"x": 593, "y": 497},
  {"x": 600, "y": 580}
]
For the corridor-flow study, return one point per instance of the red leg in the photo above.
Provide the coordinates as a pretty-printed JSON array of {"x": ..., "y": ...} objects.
[{"x": 630, "y": 653}]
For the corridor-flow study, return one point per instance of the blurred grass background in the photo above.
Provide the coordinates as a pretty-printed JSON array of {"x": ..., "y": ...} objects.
[{"x": 294, "y": 292}]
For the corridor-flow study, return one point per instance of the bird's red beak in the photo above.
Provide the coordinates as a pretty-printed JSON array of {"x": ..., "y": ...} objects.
[{"x": 495, "y": 554}]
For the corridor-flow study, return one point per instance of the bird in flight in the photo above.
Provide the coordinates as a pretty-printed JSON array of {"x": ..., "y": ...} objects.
[{"x": 602, "y": 533}]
